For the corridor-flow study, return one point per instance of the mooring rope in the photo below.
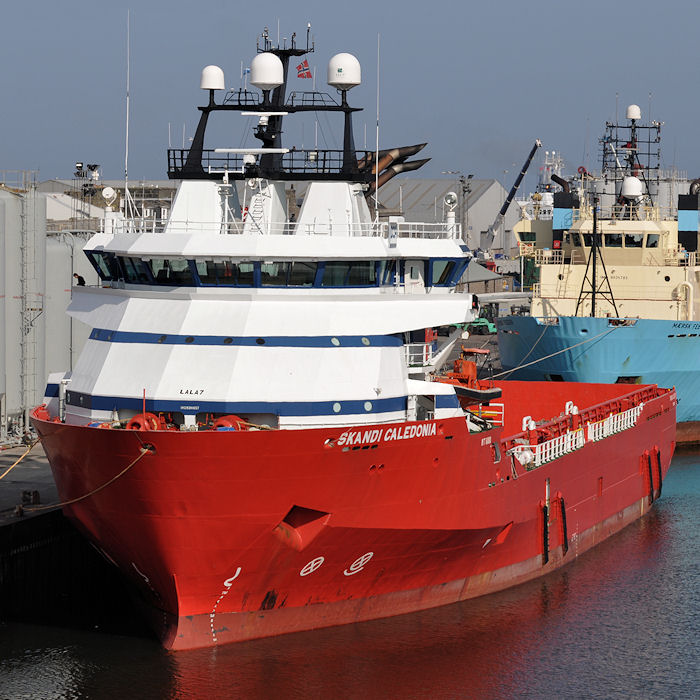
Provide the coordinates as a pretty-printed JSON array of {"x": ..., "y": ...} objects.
[
  {"x": 144, "y": 451},
  {"x": 558, "y": 352},
  {"x": 11, "y": 467}
]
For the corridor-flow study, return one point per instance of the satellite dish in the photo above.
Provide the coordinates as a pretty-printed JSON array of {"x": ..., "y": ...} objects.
[
  {"x": 450, "y": 200},
  {"x": 344, "y": 71},
  {"x": 109, "y": 195},
  {"x": 266, "y": 71}
]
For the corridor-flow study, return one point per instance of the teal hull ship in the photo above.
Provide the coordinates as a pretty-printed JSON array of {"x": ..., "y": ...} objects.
[
  {"x": 606, "y": 350},
  {"x": 616, "y": 294}
]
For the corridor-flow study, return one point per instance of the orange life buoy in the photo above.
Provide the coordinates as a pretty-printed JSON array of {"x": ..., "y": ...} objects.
[
  {"x": 230, "y": 421},
  {"x": 143, "y": 421}
]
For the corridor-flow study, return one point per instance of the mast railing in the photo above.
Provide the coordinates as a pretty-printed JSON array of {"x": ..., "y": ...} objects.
[
  {"x": 625, "y": 212},
  {"x": 296, "y": 164}
]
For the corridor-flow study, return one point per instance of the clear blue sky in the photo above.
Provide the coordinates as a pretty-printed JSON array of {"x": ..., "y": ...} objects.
[{"x": 478, "y": 81}]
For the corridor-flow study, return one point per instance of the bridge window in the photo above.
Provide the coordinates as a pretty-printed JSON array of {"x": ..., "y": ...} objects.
[
  {"x": 613, "y": 240},
  {"x": 652, "y": 240},
  {"x": 293, "y": 274},
  {"x": 447, "y": 272},
  {"x": 634, "y": 240},
  {"x": 174, "y": 272},
  {"x": 106, "y": 265},
  {"x": 387, "y": 272},
  {"x": 356, "y": 273},
  {"x": 135, "y": 270},
  {"x": 225, "y": 273}
]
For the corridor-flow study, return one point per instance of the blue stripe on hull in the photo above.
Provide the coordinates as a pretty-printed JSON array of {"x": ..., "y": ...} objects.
[
  {"x": 280, "y": 408},
  {"x": 351, "y": 341},
  {"x": 656, "y": 352}
]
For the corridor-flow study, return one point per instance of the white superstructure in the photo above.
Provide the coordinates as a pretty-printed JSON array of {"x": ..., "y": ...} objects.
[{"x": 234, "y": 307}]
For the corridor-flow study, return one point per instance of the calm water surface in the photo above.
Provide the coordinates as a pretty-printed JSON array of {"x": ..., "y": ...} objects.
[{"x": 621, "y": 622}]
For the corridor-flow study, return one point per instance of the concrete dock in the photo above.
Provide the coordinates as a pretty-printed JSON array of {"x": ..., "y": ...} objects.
[
  {"x": 30, "y": 481},
  {"x": 49, "y": 573}
]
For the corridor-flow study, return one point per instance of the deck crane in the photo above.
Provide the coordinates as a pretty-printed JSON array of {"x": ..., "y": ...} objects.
[{"x": 487, "y": 240}]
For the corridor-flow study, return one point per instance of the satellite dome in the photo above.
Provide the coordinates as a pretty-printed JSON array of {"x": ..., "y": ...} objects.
[
  {"x": 212, "y": 78},
  {"x": 344, "y": 71},
  {"x": 633, "y": 112},
  {"x": 632, "y": 188},
  {"x": 266, "y": 71}
]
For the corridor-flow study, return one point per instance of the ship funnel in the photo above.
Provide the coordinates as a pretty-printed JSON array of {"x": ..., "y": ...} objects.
[
  {"x": 212, "y": 78},
  {"x": 632, "y": 188},
  {"x": 266, "y": 71},
  {"x": 633, "y": 112},
  {"x": 560, "y": 181},
  {"x": 388, "y": 156},
  {"x": 394, "y": 170}
]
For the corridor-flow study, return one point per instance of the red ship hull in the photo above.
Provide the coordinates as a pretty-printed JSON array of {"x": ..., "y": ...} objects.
[{"x": 236, "y": 535}]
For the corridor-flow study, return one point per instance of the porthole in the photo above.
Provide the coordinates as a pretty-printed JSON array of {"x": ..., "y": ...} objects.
[
  {"x": 336, "y": 407},
  {"x": 335, "y": 341},
  {"x": 368, "y": 405},
  {"x": 260, "y": 341},
  {"x": 228, "y": 341},
  {"x": 189, "y": 339},
  {"x": 365, "y": 341},
  {"x": 162, "y": 338}
]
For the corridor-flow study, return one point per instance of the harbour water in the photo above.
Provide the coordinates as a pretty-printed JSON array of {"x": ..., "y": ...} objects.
[{"x": 621, "y": 622}]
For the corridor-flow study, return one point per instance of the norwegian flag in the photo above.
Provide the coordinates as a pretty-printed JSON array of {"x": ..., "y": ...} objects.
[{"x": 303, "y": 70}]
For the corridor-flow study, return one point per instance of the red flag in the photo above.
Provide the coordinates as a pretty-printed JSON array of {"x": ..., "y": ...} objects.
[{"x": 303, "y": 70}]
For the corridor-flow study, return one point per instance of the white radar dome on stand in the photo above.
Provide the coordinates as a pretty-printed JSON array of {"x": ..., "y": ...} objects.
[
  {"x": 344, "y": 71},
  {"x": 632, "y": 188},
  {"x": 266, "y": 71},
  {"x": 212, "y": 78},
  {"x": 633, "y": 112}
]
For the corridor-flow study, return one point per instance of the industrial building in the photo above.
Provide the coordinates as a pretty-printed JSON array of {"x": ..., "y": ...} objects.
[{"x": 36, "y": 268}]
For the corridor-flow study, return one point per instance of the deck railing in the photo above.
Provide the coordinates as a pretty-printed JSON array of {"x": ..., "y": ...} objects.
[
  {"x": 418, "y": 354},
  {"x": 572, "y": 431},
  {"x": 383, "y": 229}
]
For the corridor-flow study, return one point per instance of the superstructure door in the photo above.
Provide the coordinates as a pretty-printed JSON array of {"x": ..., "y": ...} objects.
[{"x": 414, "y": 276}]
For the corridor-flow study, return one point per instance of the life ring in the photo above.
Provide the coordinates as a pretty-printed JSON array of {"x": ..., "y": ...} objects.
[
  {"x": 582, "y": 170},
  {"x": 143, "y": 421},
  {"x": 229, "y": 422}
]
